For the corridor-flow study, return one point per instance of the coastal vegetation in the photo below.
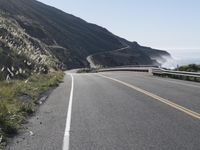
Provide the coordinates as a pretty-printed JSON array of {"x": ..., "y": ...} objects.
[
  {"x": 189, "y": 68},
  {"x": 20, "y": 98}
]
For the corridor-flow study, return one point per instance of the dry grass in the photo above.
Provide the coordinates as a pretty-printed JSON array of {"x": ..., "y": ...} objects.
[{"x": 19, "y": 98}]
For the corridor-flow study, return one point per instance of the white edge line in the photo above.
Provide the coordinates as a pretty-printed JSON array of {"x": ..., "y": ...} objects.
[{"x": 68, "y": 121}]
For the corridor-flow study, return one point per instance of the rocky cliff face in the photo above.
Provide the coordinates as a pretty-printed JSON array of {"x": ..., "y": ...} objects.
[{"x": 35, "y": 37}]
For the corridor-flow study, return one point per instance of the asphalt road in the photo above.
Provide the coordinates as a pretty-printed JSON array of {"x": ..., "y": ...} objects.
[{"x": 118, "y": 111}]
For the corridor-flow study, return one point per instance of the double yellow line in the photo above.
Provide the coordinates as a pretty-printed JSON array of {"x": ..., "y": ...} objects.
[{"x": 158, "y": 98}]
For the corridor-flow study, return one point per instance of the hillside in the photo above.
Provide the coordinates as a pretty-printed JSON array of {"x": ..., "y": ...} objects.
[
  {"x": 36, "y": 37},
  {"x": 21, "y": 54},
  {"x": 133, "y": 54}
]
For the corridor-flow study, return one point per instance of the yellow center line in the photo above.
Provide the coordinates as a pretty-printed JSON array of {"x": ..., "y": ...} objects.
[{"x": 156, "y": 97}]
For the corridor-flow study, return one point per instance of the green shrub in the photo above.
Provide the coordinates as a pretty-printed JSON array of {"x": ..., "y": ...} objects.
[{"x": 189, "y": 68}]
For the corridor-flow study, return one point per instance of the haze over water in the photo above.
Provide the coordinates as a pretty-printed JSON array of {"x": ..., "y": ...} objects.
[{"x": 183, "y": 57}]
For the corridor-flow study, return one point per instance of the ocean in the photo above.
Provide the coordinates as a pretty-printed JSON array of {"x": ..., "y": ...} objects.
[{"x": 182, "y": 57}]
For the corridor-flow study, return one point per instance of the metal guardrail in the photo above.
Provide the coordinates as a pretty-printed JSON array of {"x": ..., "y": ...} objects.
[
  {"x": 161, "y": 71},
  {"x": 155, "y": 70},
  {"x": 135, "y": 66},
  {"x": 137, "y": 69}
]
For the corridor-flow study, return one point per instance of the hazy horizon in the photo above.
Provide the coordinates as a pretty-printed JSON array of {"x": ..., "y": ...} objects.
[{"x": 185, "y": 57}]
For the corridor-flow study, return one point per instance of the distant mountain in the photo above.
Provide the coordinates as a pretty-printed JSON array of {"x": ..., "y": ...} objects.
[
  {"x": 34, "y": 37},
  {"x": 132, "y": 54}
]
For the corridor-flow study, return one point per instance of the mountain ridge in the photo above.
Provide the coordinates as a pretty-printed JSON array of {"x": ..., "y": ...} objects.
[{"x": 63, "y": 39}]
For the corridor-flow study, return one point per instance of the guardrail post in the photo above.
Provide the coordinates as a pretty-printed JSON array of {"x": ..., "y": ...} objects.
[{"x": 150, "y": 71}]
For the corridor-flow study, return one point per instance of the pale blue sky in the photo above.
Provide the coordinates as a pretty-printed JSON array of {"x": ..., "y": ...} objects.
[{"x": 166, "y": 24}]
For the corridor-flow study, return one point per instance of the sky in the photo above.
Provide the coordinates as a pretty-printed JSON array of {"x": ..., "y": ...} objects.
[{"x": 164, "y": 24}]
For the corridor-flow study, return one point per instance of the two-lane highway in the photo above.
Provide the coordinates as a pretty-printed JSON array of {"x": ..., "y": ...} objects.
[
  {"x": 116, "y": 111},
  {"x": 107, "y": 114}
]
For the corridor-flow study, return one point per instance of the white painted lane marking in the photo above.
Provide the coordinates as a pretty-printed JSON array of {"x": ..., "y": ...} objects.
[
  {"x": 68, "y": 121},
  {"x": 156, "y": 97}
]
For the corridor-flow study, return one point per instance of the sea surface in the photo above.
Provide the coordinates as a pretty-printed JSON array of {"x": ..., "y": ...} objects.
[{"x": 182, "y": 57}]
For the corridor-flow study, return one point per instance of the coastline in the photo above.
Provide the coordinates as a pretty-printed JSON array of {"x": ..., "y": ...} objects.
[{"x": 184, "y": 57}]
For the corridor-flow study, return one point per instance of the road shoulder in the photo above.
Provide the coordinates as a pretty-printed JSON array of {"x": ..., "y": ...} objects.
[{"x": 45, "y": 130}]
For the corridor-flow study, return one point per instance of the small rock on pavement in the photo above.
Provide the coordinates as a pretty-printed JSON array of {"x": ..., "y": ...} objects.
[{"x": 43, "y": 99}]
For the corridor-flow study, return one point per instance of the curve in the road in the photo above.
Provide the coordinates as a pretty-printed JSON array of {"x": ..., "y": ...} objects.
[
  {"x": 90, "y": 59},
  {"x": 156, "y": 97}
]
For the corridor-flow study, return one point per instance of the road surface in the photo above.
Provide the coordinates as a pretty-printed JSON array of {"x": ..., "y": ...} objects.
[{"x": 117, "y": 111}]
